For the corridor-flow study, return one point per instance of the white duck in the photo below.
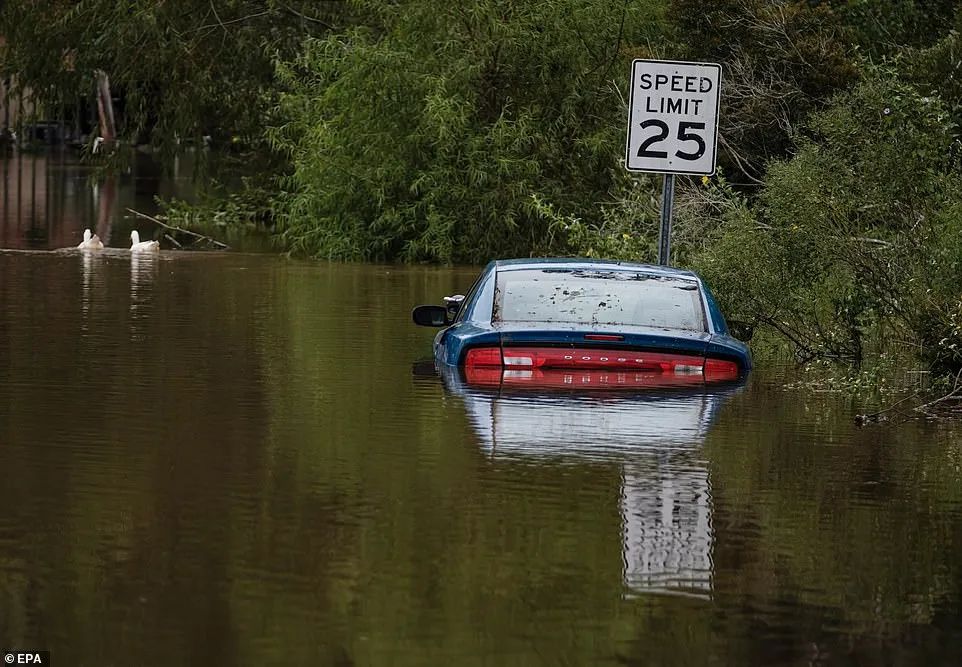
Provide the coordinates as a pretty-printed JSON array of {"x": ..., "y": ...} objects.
[
  {"x": 91, "y": 242},
  {"x": 136, "y": 245}
]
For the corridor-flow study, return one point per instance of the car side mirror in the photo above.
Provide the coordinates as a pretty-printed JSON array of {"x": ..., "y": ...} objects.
[
  {"x": 743, "y": 331},
  {"x": 453, "y": 304},
  {"x": 430, "y": 316}
]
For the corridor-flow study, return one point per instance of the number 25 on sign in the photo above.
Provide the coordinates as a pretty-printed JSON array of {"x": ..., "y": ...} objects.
[{"x": 673, "y": 117}]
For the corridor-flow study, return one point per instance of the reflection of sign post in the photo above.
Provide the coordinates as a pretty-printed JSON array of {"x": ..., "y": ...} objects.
[{"x": 672, "y": 126}]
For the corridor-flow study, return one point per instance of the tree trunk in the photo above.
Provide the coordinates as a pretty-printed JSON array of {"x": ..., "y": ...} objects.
[{"x": 105, "y": 108}]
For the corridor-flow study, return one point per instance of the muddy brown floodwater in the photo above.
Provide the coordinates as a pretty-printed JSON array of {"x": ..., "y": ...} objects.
[{"x": 234, "y": 459}]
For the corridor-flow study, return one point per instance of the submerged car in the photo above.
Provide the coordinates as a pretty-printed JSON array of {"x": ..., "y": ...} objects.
[{"x": 573, "y": 322}]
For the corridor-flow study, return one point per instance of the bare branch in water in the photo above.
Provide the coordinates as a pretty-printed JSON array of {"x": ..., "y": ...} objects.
[
  {"x": 178, "y": 229},
  {"x": 925, "y": 409}
]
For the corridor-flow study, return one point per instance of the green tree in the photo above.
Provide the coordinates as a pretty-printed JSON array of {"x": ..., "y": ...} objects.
[
  {"x": 885, "y": 27},
  {"x": 182, "y": 68},
  {"x": 782, "y": 59},
  {"x": 439, "y": 132},
  {"x": 855, "y": 240}
]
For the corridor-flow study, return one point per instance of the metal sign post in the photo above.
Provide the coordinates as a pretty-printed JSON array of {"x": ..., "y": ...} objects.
[
  {"x": 664, "y": 236},
  {"x": 672, "y": 127}
]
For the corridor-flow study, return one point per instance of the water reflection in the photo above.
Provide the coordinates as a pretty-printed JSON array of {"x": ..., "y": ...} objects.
[
  {"x": 667, "y": 534},
  {"x": 253, "y": 480},
  {"x": 90, "y": 264},
  {"x": 144, "y": 267},
  {"x": 48, "y": 199},
  {"x": 105, "y": 198},
  {"x": 654, "y": 435}
]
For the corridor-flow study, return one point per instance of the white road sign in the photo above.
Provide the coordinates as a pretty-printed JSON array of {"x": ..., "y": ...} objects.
[{"x": 673, "y": 117}]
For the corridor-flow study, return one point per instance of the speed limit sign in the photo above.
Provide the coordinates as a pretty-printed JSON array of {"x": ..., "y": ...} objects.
[{"x": 673, "y": 117}]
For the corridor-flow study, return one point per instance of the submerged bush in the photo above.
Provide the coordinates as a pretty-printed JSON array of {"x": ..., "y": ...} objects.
[
  {"x": 449, "y": 146},
  {"x": 855, "y": 241}
]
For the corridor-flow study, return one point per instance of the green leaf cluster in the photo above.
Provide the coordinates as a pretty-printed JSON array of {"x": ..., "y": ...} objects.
[
  {"x": 180, "y": 69},
  {"x": 432, "y": 132},
  {"x": 857, "y": 239}
]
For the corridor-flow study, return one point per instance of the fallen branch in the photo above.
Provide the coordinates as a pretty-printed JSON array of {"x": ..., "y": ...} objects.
[
  {"x": 880, "y": 416},
  {"x": 954, "y": 395},
  {"x": 951, "y": 396},
  {"x": 178, "y": 229}
]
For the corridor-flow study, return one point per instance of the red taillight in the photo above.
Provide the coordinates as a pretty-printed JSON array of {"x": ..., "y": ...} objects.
[
  {"x": 607, "y": 337},
  {"x": 483, "y": 356},
  {"x": 718, "y": 369}
]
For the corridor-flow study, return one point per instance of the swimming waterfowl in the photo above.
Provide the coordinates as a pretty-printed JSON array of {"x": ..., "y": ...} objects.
[
  {"x": 136, "y": 245},
  {"x": 90, "y": 242}
]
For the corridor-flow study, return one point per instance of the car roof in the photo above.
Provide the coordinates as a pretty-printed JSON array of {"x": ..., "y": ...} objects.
[{"x": 592, "y": 264}]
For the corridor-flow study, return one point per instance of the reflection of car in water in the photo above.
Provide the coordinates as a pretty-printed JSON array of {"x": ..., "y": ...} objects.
[
  {"x": 532, "y": 320},
  {"x": 654, "y": 434}
]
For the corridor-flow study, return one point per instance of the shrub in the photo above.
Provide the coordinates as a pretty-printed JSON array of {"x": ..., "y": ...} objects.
[
  {"x": 434, "y": 132},
  {"x": 855, "y": 241}
]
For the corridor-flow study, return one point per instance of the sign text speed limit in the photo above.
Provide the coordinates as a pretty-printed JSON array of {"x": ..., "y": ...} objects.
[{"x": 673, "y": 117}]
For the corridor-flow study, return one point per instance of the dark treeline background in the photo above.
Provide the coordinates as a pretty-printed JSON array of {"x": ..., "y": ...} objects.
[{"x": 423, "y": 130}]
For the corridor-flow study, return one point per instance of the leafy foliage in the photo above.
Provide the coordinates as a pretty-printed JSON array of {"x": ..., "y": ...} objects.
[
  {"x": 858, "y": 235},
  {"x": 440, "y": 146},
  {"x": 934, "y": 70},
  {"x": 782, "y": 59},
  {"x": 884, "y": 27},
  {"x": 182, "y": 69}
]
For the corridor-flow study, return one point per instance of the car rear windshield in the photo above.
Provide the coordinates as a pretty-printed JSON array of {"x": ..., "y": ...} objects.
[{"x": 598, "y": 297}]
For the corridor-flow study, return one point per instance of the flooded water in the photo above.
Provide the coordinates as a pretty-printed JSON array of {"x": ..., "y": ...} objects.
[
  {"x": 220, "y": 458},
  {"x": 48, "y": 199}
]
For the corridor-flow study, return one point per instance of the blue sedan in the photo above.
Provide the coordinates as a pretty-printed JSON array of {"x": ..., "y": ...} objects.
[{"x": 583, "y": 322}]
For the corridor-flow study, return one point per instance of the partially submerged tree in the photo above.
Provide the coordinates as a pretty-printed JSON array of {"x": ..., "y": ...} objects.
[
  {"x": 438, "y": 131},
  {"x": 857, "y": 238}
]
